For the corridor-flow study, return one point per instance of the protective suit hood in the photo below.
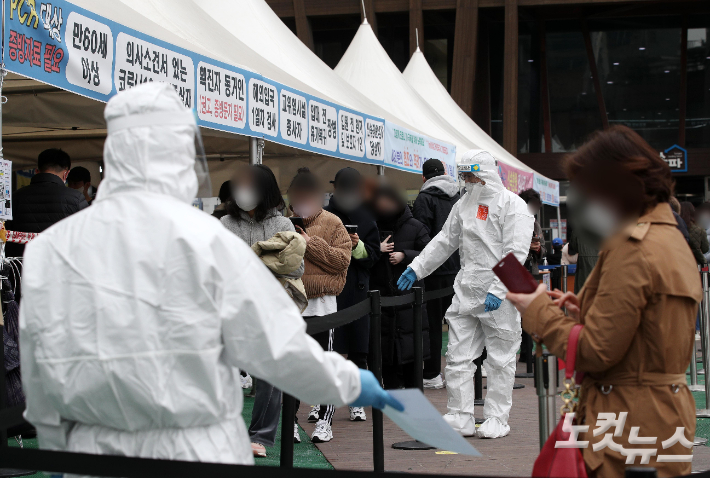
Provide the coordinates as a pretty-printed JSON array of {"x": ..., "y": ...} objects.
[
  {"x": 484, "y": 165},
  {"x": 445, "y": 184},
  {"x": 159, "y": 155}
]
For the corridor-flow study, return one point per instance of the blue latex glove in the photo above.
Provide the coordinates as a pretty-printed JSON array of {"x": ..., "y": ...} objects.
[
  {"x": 407, "y": 279},
  {"x": 492, "y": 303},
  {"x": 371, "y": 394}
]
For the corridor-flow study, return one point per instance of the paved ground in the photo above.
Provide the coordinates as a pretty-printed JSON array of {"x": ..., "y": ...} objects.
[{"x": 513, "y": 455}]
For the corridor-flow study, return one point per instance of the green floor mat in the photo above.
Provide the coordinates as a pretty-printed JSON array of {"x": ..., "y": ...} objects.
[
  {"x": 444, "y": 342},
  {"x": 305, "y": 454}
]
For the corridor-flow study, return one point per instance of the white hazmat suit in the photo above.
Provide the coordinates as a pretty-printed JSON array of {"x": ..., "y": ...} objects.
[
  {"x": 488, "y": 223},
  {"x": 137, "y": 311}
]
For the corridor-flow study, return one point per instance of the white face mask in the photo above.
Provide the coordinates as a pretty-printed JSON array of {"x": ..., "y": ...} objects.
[
  {"x": 704, "y": 220},
  {"x": 471, "y": 187},
  {"x": 600, "y": 219},
  {"x": 305, "y": 210},
  {"x": 246, "y": 199}
]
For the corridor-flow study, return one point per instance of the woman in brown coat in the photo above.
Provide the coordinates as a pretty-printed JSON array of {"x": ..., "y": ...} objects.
[{"x": 638, "y": 309}]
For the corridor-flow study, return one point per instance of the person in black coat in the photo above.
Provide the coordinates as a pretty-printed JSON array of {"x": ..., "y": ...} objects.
[
  {"x": 432, "y": 207},
  {"x": 46, "y": 200},
  {"x": 354, "y": 339},
  {"x": 403, "y": 238}
]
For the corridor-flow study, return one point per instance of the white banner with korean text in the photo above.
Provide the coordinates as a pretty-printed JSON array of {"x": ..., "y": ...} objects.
[{"x": 408, "y": 150}]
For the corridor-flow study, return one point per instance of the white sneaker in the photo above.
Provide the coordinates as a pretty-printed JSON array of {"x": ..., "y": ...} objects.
[
  {"x": 323, "y": 433},
  {"x": 435, "y": 383},
  {"x": 296, "y": 435},
  {"x": 246, "y": 381},
  {"x": 483, "y": 371},
  {"x": 313, "y": 415},
  {"x": 357, "y": 414}
]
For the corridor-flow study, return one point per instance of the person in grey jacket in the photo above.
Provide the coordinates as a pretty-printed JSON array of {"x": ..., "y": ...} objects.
[{"x": 254, "y": 215}]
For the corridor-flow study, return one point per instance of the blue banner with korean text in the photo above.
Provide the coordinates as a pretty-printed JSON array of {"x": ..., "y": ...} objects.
[{"x": 76, "y": 50}]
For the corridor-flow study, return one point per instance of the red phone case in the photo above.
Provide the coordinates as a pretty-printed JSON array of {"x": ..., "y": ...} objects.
[{"x": 514, "y": 276}]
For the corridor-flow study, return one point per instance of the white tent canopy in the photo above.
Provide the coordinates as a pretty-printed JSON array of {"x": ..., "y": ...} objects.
[
  {"x": 420, "y": 76},
  {"x": 39, "y": 116},
  {"x": 367, "y": 67}
]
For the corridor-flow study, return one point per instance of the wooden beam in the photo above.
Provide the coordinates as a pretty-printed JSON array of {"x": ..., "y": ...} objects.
[
  {"x": 303, "y": 26},
  {"x": 284, "y": 8},
  {"x": 370, "y": 13},
  {"x": 544, "y": 89},
  {"x": 595, "y": 74},
  {"x": 683, "y": 96},
  {"x": 510, "y": 78},
  {"x": 416, "y": 24},
  {"x": 463, "y": 75},
  {"x": 482, "y": 86}
]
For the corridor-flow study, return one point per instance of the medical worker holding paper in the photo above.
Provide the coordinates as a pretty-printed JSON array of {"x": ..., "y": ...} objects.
[
  {"x": 138, "y": 312},
  {"x": 485, "y": 225}
]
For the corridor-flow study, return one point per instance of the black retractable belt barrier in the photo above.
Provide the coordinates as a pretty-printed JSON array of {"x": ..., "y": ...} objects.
[
  {"x": 438, "y": 294},
  {"x": 315, "y": 325},
  {"x": 397, "y": 300}
]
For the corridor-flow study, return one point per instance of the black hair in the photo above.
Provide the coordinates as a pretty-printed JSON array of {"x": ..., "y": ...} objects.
[
  {"x": 53, "y": 160},
  {"x": 530, "y": 195},
  {"x": 225, "y": 192},
  {"x": 79, "y": 174},
  {"x": 305, "y": 181},
  {"x": 268, "y": 189},
  {"x": 393, "y": 195}
]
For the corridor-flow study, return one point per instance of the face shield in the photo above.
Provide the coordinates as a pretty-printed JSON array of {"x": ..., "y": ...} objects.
[
  {"x": 166, "y": 119},
  {"x": 468, "y": 179}
]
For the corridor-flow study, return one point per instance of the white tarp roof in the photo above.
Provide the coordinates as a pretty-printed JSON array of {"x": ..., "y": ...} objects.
[
  {"x": 420, "y": 76},
  {"x": 367, "y": 67}
]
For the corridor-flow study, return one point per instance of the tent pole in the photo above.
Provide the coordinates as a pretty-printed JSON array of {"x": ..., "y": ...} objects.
[
  {"x": 559, "y": 223},
  {"x": 380, "y": 170},
  {"x": 3, "y": 74},
  {"x": 256, "y": 150}
]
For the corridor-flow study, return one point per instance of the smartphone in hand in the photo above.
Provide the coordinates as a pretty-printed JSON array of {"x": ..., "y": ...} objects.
[
  {"x": 514, "y": 276},
  {"x": 297, "y": 222},
  {"x": 351, "y": 229}
]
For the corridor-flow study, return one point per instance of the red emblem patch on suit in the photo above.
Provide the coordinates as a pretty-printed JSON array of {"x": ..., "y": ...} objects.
[{"x": 482, "y": 212}]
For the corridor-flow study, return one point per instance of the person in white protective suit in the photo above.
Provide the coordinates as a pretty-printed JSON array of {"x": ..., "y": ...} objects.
[
  {"x": 485, "y": 225},
  {"x": 137, "y": 313}
]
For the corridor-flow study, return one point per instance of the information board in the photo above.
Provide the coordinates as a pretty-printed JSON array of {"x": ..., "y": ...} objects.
[{"x": 76, "y": 50}]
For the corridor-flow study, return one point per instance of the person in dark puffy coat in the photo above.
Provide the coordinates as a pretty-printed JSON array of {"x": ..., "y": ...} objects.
[
  {"x": 46, "y": 200},
  {"x": 403, "y": 238},
  {"x": 432, "y": 207},
  {"x": 353, "y": 339},
  {"x": 698, "y": 239}
]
